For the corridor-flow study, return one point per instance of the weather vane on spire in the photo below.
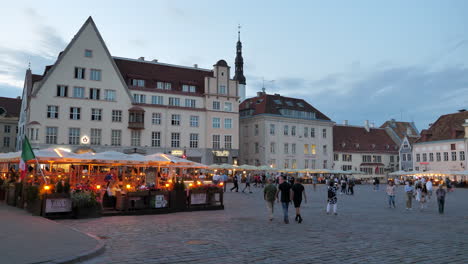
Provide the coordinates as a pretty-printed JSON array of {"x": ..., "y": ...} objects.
[
  {"x": 29, "y": 65},
  {"x": 238, "y": 31}
]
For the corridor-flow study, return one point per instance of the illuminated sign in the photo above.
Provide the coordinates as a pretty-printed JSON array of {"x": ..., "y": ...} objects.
[
  {"x": 177, "y": 152},
  {"x": 219, "y": 153},
  {"x": 85, "y": 140}
]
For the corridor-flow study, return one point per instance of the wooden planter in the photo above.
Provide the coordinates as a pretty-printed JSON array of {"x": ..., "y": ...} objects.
[
  {"x": 10, "y": 195},
  {"x": 178, "y": 200},
  {"x": 57, "y": 204},
  {"x": 215, "y": 198},
  {"x": 159, "y": 199},
  {"x": 2, "y": 193},
  {"x": 198, "y": 197},
  {"x": 91, "y": 212},
  {"x": 138, "y": 200},
  {"x": 35, "y": 207}
]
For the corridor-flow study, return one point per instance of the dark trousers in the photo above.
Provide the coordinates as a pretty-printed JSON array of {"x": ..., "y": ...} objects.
[
  {"x": 441, "y": 202},
  {"x": 351, "y": 190},
  {"x": 236, "y": 186}
]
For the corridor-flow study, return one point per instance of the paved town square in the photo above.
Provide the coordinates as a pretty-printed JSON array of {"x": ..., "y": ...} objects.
[{"x": 364, "y": 231}]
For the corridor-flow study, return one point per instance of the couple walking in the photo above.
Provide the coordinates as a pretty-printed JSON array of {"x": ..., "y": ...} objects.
[{"x": 289, "y": 193}]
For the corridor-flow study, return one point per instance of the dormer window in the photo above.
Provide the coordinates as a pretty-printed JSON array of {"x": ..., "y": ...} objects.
[
  {"x": 387, "y": 146},
  {"x": 137, "y": 82},
  {"x": 356, "y": 145},
  {"x": 373, "y": 146},
  {"x": 343, "y": 144},
  {"x": 188, "y": 88},
  {"x": 289, "y": 103}
]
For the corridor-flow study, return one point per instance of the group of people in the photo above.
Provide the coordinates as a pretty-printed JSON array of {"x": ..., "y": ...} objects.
[{"x": 422, "y": 192}]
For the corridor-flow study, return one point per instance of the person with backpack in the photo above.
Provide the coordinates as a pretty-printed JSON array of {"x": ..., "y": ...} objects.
[{"x": 332, "y": 199}]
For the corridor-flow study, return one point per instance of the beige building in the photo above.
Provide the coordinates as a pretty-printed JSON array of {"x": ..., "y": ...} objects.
[
  {"x": 91, "y": 100},
  {"x": 9, "y": 115},
  {"x": 284, "y": 132},
  {"x": 366, "y": 149},
  {"x": 444, "y": 145}
]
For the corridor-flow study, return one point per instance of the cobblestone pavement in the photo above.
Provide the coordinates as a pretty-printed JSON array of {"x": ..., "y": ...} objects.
[{"x": 364, "y": 231}]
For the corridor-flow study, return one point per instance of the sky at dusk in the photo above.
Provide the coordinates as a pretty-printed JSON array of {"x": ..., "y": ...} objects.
[{"x": 353, "y": 60}]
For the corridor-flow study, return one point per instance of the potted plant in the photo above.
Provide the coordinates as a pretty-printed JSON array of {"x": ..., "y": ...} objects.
[
  {"x": 178, "y": 198},
  {"x": 85, "y": 205},
  {"x": 33, "y": 202}
]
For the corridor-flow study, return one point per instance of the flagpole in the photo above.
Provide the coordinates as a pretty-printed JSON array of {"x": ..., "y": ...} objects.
[{"x": 42, "y": 173}]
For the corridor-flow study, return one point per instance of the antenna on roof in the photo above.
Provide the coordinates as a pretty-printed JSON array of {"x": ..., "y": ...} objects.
[{"x": 263, "y": 84}]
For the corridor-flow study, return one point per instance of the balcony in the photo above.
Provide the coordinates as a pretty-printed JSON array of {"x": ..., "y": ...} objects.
[{"x": 136, "y": 118}]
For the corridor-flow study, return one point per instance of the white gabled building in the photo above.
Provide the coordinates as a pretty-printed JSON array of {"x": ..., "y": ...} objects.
[{"x": 89, "y": 99}]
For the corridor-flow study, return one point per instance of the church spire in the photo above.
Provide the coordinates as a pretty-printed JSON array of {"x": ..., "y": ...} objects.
[{"x": 239, "y": 75}]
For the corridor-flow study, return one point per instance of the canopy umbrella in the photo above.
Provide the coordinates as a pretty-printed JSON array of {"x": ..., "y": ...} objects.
[
  {"x": 266, "y": 168},
  {"x": 223, "y": 166},
  {"x": 247, "y": 167},
  {"x": 399, "y": 173}
]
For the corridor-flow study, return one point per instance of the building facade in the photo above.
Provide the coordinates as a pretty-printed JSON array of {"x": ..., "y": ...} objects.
[
  {"x": 405, "y": 134},
  {"x": 91, "y": 100},
  {"x": 284, "y": 132},
  {"x": 443, "y": 146},
  {"x": 9, "y": 116},
  {"x": 366, "y": 149}
]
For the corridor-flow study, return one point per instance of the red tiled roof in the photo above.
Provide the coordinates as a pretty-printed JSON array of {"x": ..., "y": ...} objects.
[
  {"x": 448, "y": 126},
  {"x": 357, "y": 139},
  {"x": 12, "y": 106},
  {"x": 400, "y": 128},
  {"x": 153, "y": 72},
  {"x": 271, "y": 104}
]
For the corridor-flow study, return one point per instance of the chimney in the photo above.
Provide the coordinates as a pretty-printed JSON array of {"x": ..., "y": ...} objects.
[
  {"x": 141, "y": 58},
  {"x": 259, "y": 94},
  {"x": 345, "y": 122},
  {"x": 154, "y": 60},
  {"x": 366, "y": 125},
  {"x": 18, "y": 97},
  {"x": 195, "y": 66}
]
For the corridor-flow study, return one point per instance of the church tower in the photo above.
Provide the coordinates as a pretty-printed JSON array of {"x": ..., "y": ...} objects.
[{"x": 239, "y": 62}]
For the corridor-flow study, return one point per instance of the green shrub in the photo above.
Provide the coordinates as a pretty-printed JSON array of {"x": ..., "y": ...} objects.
[
  {"x": 32, "y": 193},
  {"x": 66, "y": 187},
  {"x": 84, "y": 200},
  {"x": 59, "y": 188},
  {"x": 179, "y": 186}
]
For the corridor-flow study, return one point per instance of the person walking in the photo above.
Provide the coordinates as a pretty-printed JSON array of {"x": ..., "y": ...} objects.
[
  {"x": 235, "y": 181},
  {"x": 285, "y": 190},
  {"x": 248, "y": 179},
  {"x": 429, "y": 189},
  {"x": 224, "y": 179},
  {"x": 297, "y": 193},
  {"x": 391, "y": 194},
  {"x": 351, "y": 186},
  {"x": 314, "y": 182},
  {"x": 332, "y": 199},
  {"x": 423, "y": 198},
  {"x": 441, "y": 198},
  {"x": 418, "y": 187},
  {"x": 343, "y": 186},
  {"x": 409, "y": 190},
  {"x": 269, "y": 195}
]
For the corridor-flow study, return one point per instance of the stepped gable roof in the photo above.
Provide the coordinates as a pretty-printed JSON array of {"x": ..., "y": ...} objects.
[
  {"x": 11, "y": 106},
  {"x": 265, "y": 103},
  {"x": 400, "y": 128},
  {"x": 152, "y": 72},
  {"x": 446, "y": 127},
  {"x": 357, "y": 139}
]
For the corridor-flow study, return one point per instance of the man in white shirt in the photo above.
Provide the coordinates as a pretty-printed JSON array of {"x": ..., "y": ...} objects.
[
  {"x": 429, "y": 188},
  {"x": 216, "y": 178}
]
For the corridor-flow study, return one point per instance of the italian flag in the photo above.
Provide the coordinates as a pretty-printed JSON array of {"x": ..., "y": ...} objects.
[{"x": 27, "y": 154}]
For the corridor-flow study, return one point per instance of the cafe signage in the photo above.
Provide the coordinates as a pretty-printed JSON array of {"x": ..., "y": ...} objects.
[
  {"x": 58, "y": 205},
  {"x": 221, "y": 153},
  {"x": 85, "y": 140},
  {"x": 198, "y": 198},
  {"x": 177, "y": 152}
]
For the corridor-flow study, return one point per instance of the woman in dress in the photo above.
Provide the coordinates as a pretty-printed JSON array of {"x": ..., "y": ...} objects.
[
  {"x": 332, "y": 199},
  {"x": 423, "y": 198}
]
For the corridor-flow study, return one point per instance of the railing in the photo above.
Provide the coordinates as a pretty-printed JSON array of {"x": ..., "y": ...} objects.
[{"x": 136, "y": 125}]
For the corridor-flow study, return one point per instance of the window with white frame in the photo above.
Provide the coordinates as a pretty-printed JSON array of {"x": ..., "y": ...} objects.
[
  {"x": 324, "y": 133},
  {"x": 256, "y": 130},
  {"x": 418, "y": 157},
  {"x": 96, "y": 136},
  {"x": 51, "y": 135},
  {"x": 6, "y": 142},
  {"x": 293, "y": 130},
  {"x": 312, "y": 164},
  {"x": 95, "y": 75},
  {"x": 272, "y": 129},
  {"x": 139, "y": 98},
  {"x": 96, "y": 114},
  {"x": 188, "y": 88},
  {"x": 325, "y": 162},
  {"x": 216, "y": 141},
  {"x": 116, "y": 137},
  {"x": 74, "y": 136},
  {"x": 454, "y": 156},
  {"x": 424, "y": 157},
  {"x": 462, "y": 155},
  {"x": 306, "y": 148},
  {"x": 75, "y": 113},
  {"x": 286, "y": 148},
  {"x": 228, "y": 142},
  {"x": 222, "y": 89},
  {"x": 80, "y": 73},
  {"x": 116, "y": 115},
  {"x": 157, "y": 99},
  {"x": 137, "y": 82},
  {"x": 167, "y": 86},
  {"x": 216, "y": 122},
  {"x": 312, "y": 132},
  {"x": 62, "y": 90},
  {"x": 52, "y": 111},
  {"x": 175, "y": 140},
  {"x": 175, "y": 120},
  {"x": 403, "y": 157},
  {"x": 446, "y": 156},
  {"x": 286, "y": 130},
  {"x": 193, "y": 143},
  {"x": 286, "y": 164},
  {"x": 294, "y": 164},
  {"x": 272, "y": 147},
  {"x": 174, "y": 101},
  {"x": 293, "y": 148},
  {"x": 257, "y": 148},
  {"x": 156, "y": 139},
  {"x": 313, "y": 149},
  {"x": 7, "y": 129},
  {"x": 156, "y": 119},
  {"x": 431, "y": 157},
  {"x": 135, "y": 138},
  {"x": 109, "y": 95},
  {"x": 94, "y": 93},
  {"x": 306, "y": 132},
  {"x": 88, "y": 53},
  {"x": 438, "y": 157},
  {"x": 194, "y": 121},
  {"x": 216, "y": 105},
  {"x": 228, "y": 106},
  {"x": 78, "y": 92},
  {"x": 306, "y": 164},
  {"x": 190, "y": 103},
  {"x": 227, "y": 123}
]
